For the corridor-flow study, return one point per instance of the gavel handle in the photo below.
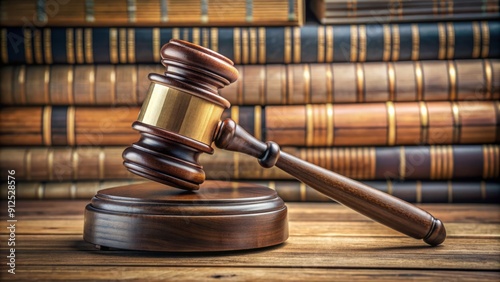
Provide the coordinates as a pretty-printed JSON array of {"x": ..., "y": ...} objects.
[{"x": 379, "y": 206}]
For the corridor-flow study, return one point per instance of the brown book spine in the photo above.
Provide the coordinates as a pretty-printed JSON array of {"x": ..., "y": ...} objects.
[
  {"x": 65, "y": 163},
  {"x": 344, "y": 11},
  {"x": 402, "y": 123},
  {"x": 364, "y": 163},
  {"x": 290, "y": 191},
  {"x": 410, "y": 191},
  {"x": 460, "y": 80},
  {"x": 369, "y": 163},
  {"x": 151, "y": 13},
  {"x": 379, "y": 124}
]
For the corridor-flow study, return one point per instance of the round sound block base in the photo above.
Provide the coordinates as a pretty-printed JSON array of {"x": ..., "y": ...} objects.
[{"x": 221, "y": 216}]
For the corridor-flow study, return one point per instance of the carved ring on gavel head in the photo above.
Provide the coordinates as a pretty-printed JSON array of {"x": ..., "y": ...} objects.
[{"x": 180, "y": 119}]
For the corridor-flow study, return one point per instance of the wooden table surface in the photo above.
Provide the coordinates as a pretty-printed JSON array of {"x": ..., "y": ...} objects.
[{"x": 327, "y": 242}]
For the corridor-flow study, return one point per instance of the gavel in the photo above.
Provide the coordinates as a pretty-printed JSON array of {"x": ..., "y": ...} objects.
[{"x": 181, "y": 118}]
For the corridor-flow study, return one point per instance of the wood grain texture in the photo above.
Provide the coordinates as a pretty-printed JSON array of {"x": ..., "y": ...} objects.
[
  {"x": 326, "y": 241},
  {"x": 222, "y": 216}
]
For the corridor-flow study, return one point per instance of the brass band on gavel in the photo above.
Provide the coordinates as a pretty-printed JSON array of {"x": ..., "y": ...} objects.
[{"x": 180, "y": 112}]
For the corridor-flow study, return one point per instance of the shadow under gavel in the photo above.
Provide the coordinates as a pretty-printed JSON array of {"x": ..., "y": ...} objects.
[{"x": 180, "y": 119}]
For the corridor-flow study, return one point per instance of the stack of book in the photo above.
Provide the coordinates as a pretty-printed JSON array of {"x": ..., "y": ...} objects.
[{"x": 409, "y": 108}]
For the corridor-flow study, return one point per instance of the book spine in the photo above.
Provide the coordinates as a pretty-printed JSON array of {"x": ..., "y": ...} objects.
[
  {"x": 65, "y": 163},
  {"x": 257, "y": 45},
  {"x": 410, "y": 191},
  {"x": 371, "y": 124},
  {"x": 402, "y": 11},
  {"x": 102, "y": 85},
  {"x": 365, "y": 82},
  {"x": 150, "y": 13},
  {"x": 368, "y": 163},
  {"x": 106, "y": 85},
  {"x": 289, "y": 191}
]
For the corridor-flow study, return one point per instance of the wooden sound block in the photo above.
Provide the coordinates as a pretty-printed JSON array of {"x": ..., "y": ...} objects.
[{"x": 221, "y": 216}]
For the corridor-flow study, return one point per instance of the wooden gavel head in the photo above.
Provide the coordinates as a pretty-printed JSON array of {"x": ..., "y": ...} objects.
[{"x": 180, "y": 116}]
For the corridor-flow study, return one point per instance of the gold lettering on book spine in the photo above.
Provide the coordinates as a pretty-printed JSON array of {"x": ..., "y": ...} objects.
[
  {"x": 214, "y": 39},
  {"x": 69, "y": 83},
  {"x": 156, "y": 44},
  {"x": 450, "y": 47},
  {"x": 89, "y": 51},
  {"x": 244, "y": 46},
  {"x": 47, "y": 123},
  {"x": 392, "y": 83},
  {"x": 418, "y": 191},
  {"x": 79, "y": 46},
  {"x": 28, "y": 51},
  {"x": 70, "y": 126},
  {"x": 402, "y": 163},
  {"x": 329, "y": 44},
  {"x": 309, "y": 125},
  {"x": 354, "y": 43},
  {"x": 303, "y": 192},
  {"x": 362, "y": 43},
  {"x": 205, "y": 38},
  {"x": 262, "y": 45},
  {"x": 451, "y": 166},
  {"x": 396, "y": 42},
  {"x": 91, "y": 82},
  {"x": 122, "y": 45},
  {"x": 424, "y": 122},
  {"x": 131, "y": 45},
  {"x": 237, "y": 45},
  {"x": 258, "y": 122},
  {"x": 486, "y": 39},
  {"x": 70, "y": 47},
  {"x": 46, "y": 85},
  {"x": 74, "y": 163},
  {"x": 442, "y": 41},
  {"x": 102, "y": 159},
  {"x": 419, "y": 80},
  {"x": 329, "y": 83},
  {"x": 389, "y": 187},
  {"x": 21, "y": 79},
  {"x": 391, "y": 129},
  {"x": 50, "y": 163},
  {"x": 27, "y": 162},
  {"x": 415, "y": 47},
  {"x": 321, "y": 44},
  {"x": 360, "y": 82},
  {"x": 113, "y": 45},
  {"x": 253, "y": 46},
  {"x": 452, "y": 76},
  {"x": 307, "y": 84},
  {"x": 330, "y": 125},
  {"x": 37, "y": 43},
  {"x": 476, "y": 35},
  {"x": 296, "y": 45},
  {"x": 47, "y": 40},
  {"x": 387, "y": 43},
  {"x": 488, "y": 77},
  {"x": 456, "y": 122}
]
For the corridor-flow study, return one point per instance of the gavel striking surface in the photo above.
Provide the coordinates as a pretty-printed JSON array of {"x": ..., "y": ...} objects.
[{"x": 222, "y": 216}]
